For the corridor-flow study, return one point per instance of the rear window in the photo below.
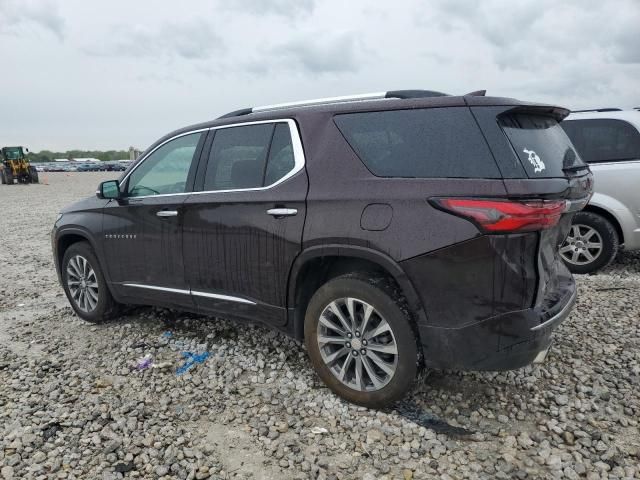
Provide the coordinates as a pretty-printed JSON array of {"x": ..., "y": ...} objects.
[
  {"x": 604, "y": 140},
  {"x": 420, "y": 143},
  {"x": 541, "y": 145}
]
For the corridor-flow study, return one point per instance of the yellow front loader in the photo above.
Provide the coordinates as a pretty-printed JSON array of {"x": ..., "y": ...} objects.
[{"x": 14, "y": 165}]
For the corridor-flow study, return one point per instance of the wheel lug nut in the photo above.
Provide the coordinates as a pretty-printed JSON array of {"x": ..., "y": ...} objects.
[
  {"x": 355, "y": 353},
  {"x": 348, "y": 345},
  {"x": 363, "y": 351},
  {"x": 364, "y": 342},
  {"x": 349, "y": 335},
  {"x": 357, "y": 334}
]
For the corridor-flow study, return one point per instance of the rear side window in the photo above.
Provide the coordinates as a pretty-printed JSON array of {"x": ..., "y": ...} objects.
[
  {"x": 420, "y": 143},
  {"x": 281, "y": 160},
  {"x": 604, "y": 140},
  {"x": 543, "y": 148}
]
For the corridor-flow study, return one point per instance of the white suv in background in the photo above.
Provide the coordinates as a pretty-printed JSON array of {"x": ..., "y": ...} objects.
[{"x": 609, "y": 140}]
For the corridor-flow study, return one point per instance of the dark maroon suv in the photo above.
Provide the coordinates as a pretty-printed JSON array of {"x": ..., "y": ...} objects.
[{"x": 390, "y": 231}]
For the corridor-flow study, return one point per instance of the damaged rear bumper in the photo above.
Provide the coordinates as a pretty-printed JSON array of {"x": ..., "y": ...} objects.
[{"x": 503, "y": 342}]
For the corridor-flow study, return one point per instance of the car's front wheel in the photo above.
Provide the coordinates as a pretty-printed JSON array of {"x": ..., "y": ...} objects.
[
  {"x": 85, "y": 285},
  {"x": 592, "y": 243},
  {"x": 360, "y": 340}
]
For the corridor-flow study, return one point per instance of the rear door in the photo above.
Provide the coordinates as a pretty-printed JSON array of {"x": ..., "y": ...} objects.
[{"x": 243, "y": 228}]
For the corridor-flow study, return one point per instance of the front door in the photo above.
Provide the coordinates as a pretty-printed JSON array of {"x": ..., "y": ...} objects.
[
  {"x": 243, "y": 229},
  {"x": 143, "y": 231}
]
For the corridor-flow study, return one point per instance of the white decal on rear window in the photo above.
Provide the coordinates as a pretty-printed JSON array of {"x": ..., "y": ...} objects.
[{"x": 538, "y": 165}]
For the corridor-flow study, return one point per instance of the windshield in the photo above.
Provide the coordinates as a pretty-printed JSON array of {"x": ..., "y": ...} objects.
[
  {"x": 541, "y": 144},
  {"x": 12, "y": 153}
]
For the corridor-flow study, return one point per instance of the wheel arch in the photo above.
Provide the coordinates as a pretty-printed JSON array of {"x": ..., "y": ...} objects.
[
  {"x": 317, "y": 265},
  {"x": 67, "y": 237}
]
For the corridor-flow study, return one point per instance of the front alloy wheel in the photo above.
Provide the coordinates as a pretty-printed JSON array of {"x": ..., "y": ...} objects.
[
  {"x": 82, "y": 283},
  {"x": 85, "y": 285}
]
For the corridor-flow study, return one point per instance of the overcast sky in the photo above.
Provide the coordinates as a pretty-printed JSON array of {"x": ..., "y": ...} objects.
[{"x": 107, "y": 75}]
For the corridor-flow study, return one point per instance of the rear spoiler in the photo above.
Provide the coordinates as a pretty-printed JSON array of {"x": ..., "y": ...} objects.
[{"x": 559, "y": 113}]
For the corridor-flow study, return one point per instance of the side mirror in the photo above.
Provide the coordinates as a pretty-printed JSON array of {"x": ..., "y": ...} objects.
[{"x": 109, "y": 190}]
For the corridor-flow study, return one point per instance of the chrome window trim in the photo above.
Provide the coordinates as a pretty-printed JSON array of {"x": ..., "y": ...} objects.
[
  {"x": 218, "y": 296},
  {"x": 298, "y": 158}
]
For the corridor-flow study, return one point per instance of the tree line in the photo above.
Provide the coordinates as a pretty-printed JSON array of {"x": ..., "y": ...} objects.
[{"x": 49, "y": 156}]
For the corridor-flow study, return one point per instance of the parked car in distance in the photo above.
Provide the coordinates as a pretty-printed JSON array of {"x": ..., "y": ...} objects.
[
  {"x": 609, "y": 141},
  {"x": 390, "y": 232}
]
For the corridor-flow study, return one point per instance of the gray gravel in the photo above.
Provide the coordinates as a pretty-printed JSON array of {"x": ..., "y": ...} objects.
[{"x": 74, "y": 405}]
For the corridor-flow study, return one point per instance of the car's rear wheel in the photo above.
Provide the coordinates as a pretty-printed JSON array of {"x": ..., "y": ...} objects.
[
  {"x": 592, "y": 243},
  {"x": 85, "y": 285},
  {"x": 360, "y": 340}
]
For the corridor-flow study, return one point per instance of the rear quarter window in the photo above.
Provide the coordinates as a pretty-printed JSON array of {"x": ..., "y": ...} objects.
[
  {"x": 541, "y": 144},
  {"x": 604, "y": 140},
  {"x": 420, "y": 143}
]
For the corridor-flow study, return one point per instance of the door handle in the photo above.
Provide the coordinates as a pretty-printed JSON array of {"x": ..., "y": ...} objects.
[
  {"x": 167, "y": 213},
  {"x": 282, "y": 212}
]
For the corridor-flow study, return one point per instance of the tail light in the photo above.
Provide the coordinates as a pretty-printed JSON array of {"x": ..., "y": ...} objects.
[{"x": 503, "y": 216}]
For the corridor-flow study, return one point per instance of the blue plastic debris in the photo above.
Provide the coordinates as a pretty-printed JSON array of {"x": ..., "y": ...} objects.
[
  {"x": 190, "y": 360},
  {"x": 167, "y": 334}
]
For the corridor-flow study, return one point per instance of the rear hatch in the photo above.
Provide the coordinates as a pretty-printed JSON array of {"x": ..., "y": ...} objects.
[{"x": 539, "y": 162}]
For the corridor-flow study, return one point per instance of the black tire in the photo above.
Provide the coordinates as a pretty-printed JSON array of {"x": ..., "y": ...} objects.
[
  {"x": 8, "y": 176},
  {"x": 4, "y": 180},
  {"x": 106, "y": 307},
  {"x": 33, "y": 174},
  {"x": 610, "y": 242},
  {"x": 385, "y": 299}
]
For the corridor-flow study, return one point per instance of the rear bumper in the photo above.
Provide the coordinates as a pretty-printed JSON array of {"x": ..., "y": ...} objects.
[{"x": 503, "y": 342}]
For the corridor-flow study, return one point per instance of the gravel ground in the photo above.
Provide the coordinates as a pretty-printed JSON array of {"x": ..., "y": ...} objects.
[{"x": 74, "y": 405}]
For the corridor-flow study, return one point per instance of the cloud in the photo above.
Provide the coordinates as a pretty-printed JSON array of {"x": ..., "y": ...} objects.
[
  {"x": 192, "y": 40},
  {"x": 286, "y": 8},
  {"x": 315, "y": 54},
  {"x": 542, "y": 32},
  {"x": 14, "y": 16}
]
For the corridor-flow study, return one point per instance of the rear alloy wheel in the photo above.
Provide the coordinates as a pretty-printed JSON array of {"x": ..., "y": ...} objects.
[
  {"x": 360, "y": 341},
  {"x": 85, "y": 286},
  {"x": 592, "y": 243}
]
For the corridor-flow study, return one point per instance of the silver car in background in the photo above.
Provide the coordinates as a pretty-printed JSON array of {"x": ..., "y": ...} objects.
[{"x": 608, "y": 139}]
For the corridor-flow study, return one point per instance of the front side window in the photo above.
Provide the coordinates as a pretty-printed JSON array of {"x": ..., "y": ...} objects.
[
  {"x": 249, "y": 156},
  {"x": 165, "y": 171},
  {"x": 604, "y": 140}
]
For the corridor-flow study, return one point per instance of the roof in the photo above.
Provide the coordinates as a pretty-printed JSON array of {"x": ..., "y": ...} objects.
[
  {"x": 392, "y": 100},
  {"x": 631, "y": 115}
]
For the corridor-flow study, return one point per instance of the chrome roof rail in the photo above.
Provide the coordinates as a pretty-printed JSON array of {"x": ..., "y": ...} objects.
[
  {"x": 321, "y": 101},
  {"x": 397, "y": 94}
]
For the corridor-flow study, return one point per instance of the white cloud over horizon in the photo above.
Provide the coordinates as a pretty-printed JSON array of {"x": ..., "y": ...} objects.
[{"x": 108, "y": 75}]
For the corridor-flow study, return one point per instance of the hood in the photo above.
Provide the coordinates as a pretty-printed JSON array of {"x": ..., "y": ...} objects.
[{"x": 89, "y": 203}]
